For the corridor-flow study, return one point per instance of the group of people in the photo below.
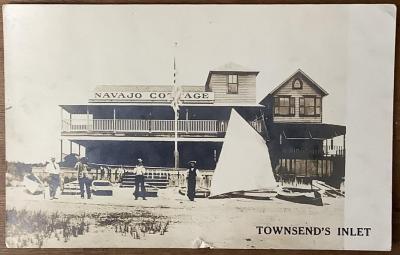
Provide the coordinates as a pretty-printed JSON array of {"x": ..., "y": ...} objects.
[
  {"x": 191, "y": 174},
  {"x": 85, "y": 178}
]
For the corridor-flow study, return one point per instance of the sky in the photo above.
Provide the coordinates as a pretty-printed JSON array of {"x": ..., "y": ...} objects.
[{"x": 58, "y": 54}]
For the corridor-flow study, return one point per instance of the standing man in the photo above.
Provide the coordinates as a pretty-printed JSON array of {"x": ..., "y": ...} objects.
[
  {"x": 54, "y": 177},
  {"x": 84, "y": 178},
  {"x": 139, "y": 171},
  {"x": 102, "y": 172},
  {"x": 191, "y": 175}
]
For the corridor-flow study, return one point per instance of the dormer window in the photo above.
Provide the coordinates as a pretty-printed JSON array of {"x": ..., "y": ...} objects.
[
  {"x": 297, "y": 83},
  {"x": 233, "y": 84}
]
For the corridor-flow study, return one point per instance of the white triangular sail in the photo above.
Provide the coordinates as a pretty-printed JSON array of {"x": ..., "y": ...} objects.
[{"x": 244, "y": 162}]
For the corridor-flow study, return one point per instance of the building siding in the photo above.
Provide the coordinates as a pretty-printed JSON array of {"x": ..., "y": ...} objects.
[
  {"x": 308, "y": 90},
  {"x": 246, "y": 89}
]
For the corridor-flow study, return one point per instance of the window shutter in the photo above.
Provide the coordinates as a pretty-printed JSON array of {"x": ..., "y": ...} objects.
[
  {"x": 301, "y": 105},
  {"x": 276, "y": 105},
  {"x": 318, "y": 106},
  {"x": 292, "y": 106}
]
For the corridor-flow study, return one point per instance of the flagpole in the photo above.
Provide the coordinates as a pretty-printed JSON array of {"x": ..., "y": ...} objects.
[
  {"x": 176, "y": 152},
  {"x": 176, "y": 116}
]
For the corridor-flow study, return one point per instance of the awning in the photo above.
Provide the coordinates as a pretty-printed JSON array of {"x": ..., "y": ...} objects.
[{"x": 299, "y": 131}]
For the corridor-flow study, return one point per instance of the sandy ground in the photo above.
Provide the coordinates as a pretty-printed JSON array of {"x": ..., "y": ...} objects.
[{"x": 222, "y": 223}]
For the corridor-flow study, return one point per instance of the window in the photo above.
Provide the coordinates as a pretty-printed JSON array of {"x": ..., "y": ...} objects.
[
  {"x": 310, "y": 106},
  {"x": 233, "y": 84},
  {"x": 284, "y": 106},
  {"x": 297, "y": 84}
]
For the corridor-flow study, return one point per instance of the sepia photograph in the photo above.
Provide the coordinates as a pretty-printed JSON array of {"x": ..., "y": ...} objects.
[{"x": 183, "y": 126}]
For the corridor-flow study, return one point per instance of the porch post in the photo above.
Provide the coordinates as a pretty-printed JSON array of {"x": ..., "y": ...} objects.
[
  {"x": 114, "y": 120},
  {"x": 70, "y": 147},
  {"x": 326, "y": 159},
  {"x": 326, "y": 147},
  {"x": 79, "y": 150},
  {"x": 306, "y": 167},
  {"x": 61, "y": 150},
  {"x": 61, "y": 119},
  {"x": 344, "y": 145},
  {"x": 87, "y": 118}
]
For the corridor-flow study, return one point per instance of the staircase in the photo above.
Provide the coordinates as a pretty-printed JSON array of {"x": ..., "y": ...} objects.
[
  {"x": 158, "y": 181},
  {"x": 71, "y": 188}
]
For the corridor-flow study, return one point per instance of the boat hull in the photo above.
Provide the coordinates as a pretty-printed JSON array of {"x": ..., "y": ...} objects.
[
  {"x": 200, "y": 193},
  {"x": 256, "y": 195},
  {"x": 33, "y": 185},
  {"x": 301, "y": 197}
]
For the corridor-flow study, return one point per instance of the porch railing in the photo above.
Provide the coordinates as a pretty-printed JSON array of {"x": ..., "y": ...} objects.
[
  {"x": 314, "y": 153},
  {"x": 137, "y": 125},
  {"x": 176, "y": 178}
]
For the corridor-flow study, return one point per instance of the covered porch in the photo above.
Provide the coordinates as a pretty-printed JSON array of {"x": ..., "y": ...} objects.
[
  {"x": 303, "y": 152},
  {"x": 149, "y": 120},
  {"x": 155, "y": 154}
]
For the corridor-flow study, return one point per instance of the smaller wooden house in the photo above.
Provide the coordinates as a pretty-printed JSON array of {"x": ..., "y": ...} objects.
[{"x": 301, "y": 146}]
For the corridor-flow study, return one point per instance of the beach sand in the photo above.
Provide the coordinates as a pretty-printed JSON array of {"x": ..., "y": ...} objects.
[{"x": 221, "y": 223}]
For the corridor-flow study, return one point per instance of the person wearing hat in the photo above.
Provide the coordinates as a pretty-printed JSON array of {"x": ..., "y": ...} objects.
[
  {"x": 54, "y": 177},
  {"x": 191, "y": 175},
  {"x": 84, "y": 177},
  {"x": 139, "y": 172}
]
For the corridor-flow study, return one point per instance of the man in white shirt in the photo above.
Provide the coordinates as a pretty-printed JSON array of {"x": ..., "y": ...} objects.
[
  {"x": 139, "y": 171},
  {"x": 54, "y": 177}
]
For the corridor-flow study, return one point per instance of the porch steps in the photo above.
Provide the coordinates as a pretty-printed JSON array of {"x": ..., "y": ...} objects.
[
  {"x": 128, "y": 181},
  {"x": 71, "y": 188}
]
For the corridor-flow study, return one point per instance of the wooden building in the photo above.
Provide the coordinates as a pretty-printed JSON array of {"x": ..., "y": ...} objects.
[
  {"x": 303, "y": 148},
  {"x": 122, "y": 123}
]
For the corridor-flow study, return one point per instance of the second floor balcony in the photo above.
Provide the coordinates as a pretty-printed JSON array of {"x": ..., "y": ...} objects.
[
  {"x": 328, "y": 151},
  {"x": 142, "y": 127}
]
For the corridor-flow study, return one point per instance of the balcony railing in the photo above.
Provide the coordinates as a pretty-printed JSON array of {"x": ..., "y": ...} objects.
[
  {"x": 148, "y": 126},
  {"x": 137, "y": 125},
  {"x": 314, "y": 153}
]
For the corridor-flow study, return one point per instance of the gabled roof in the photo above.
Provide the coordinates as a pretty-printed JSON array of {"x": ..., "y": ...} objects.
[
  {"x": 300, "y": 72},
  {"x": 230, "y": 67}
]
